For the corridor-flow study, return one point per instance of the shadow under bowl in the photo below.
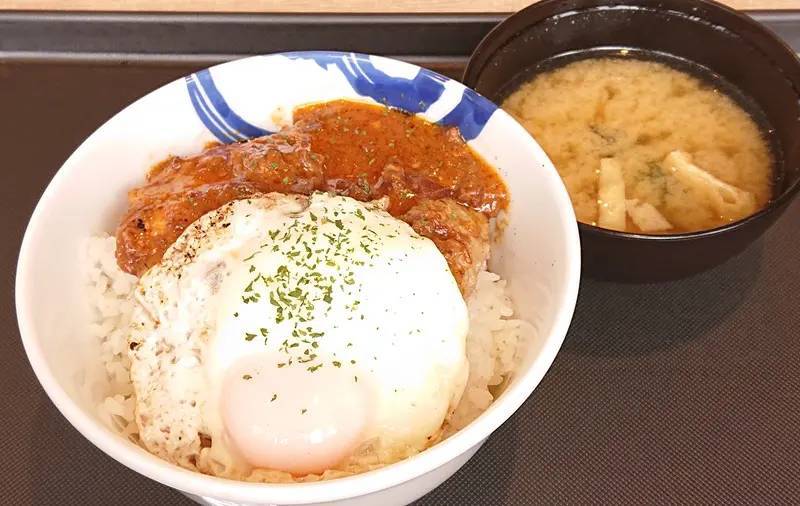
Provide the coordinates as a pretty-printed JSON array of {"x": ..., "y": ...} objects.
[{"x": 759, "y": 69}]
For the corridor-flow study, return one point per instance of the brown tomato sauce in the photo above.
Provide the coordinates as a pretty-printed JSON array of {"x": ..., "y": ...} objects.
[
  {"x": 372, "y": 151},
  {"x": 355, "y": 149}
]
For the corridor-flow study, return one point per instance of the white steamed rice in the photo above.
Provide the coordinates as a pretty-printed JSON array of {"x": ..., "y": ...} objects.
[{"x": 491, "y": 350}]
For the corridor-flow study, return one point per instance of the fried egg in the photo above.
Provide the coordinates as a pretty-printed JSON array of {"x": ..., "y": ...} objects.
[{"x": 287, "y": 332}]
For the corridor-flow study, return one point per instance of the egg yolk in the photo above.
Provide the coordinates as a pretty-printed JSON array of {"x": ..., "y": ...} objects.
[{"x": 290, "y": 418}]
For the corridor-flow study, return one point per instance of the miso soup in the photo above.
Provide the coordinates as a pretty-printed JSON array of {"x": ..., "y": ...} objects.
[{"x": 643, "y": 147}]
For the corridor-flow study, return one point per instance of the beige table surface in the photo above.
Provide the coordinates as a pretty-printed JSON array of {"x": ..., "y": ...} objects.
[{"x": 342, "y": 6}]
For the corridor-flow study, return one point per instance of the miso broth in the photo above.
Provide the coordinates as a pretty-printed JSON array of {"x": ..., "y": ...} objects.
[{"x": 687, "y": 156}]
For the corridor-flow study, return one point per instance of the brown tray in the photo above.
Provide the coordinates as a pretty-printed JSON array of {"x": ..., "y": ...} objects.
[{"x": 683, "y": 392}]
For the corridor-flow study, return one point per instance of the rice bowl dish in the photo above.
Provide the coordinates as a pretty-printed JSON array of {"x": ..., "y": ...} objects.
[
  {"x": 312, "y": 334},
  {"x": 496, "y": 344}
]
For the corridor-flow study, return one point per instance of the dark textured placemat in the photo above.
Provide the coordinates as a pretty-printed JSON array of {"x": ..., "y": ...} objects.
[{"x": 685, "y": 392}]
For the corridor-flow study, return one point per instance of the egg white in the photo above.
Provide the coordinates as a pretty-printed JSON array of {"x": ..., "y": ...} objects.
[{"x": 220, "y": 327}]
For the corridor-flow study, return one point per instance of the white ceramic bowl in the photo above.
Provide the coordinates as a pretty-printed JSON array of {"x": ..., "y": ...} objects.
[{"x": 539, "y": 253}]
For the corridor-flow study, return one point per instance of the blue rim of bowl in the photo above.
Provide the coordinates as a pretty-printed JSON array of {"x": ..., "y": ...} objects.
[{"x": 413, "y": 95}]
